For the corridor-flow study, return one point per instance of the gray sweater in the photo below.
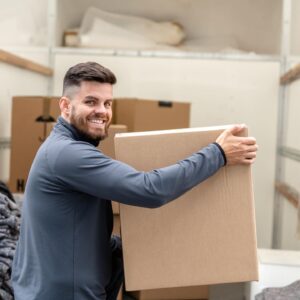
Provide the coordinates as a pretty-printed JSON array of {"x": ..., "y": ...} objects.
[{"x": 64, "y": 248}]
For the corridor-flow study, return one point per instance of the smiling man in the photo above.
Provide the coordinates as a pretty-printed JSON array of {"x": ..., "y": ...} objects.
[
  {"x": 91, "y": 108},
  {"x": 65, "y": 250}
]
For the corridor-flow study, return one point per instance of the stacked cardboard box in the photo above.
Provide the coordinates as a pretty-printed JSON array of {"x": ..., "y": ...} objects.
[
  {"x": 107, "y": 146},
  {"x": 32, "y": 120},
  {"x": 145, "y": 115},
  {"x": 207, "y": 236},
  {"x": 33, "y": 117}
]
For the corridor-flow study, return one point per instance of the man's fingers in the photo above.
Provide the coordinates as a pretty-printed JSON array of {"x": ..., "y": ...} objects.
[
  {"x": 252, "y": 148},
  {"x": 248, "y": 161},
  {"x": 250, "y": 155},
  {"x": 235, "y": 129},
  {"x": 249, "y": 140}
]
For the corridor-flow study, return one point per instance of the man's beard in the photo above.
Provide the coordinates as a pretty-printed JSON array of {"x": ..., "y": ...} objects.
[{"x": 80, "y": 124}]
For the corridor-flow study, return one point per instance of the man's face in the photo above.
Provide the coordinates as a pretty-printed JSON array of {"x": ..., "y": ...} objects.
[{"x": 91, "y": 109}]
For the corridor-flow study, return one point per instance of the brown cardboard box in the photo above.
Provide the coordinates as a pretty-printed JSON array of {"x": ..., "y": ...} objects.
[
  {"x": 117, "y": 225},
  {"x": 184, "y": 293},
  {"x": 144, "y": 115},
  {"x": 108, "y": 148},
  {"x": 115, "y": 207},
  {"x": 207, "y": 236},
  {"x": 32, "y": 120},
  {"x": 107, "y": 145}
]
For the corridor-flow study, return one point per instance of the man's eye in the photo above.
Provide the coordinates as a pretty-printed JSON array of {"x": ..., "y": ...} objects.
[
  {"x": 90, "y": 102},
  {"x": 108, "y": 104}
]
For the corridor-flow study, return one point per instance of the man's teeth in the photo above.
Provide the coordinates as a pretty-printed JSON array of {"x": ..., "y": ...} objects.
[{"x": 97, "y": 121}]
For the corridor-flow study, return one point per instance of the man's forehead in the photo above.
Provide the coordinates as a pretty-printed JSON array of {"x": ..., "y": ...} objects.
[{"x": 94, "y": 89}]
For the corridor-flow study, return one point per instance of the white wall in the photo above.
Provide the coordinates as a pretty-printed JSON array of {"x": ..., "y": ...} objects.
[
  {"x": 221, "y": 92},
  {"x": 23, "y": 22}
]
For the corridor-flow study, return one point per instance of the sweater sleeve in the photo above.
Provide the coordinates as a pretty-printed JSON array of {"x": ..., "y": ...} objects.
[{"x": 82, "y": 168}]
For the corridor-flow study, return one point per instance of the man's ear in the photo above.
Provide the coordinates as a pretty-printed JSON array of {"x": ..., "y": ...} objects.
[{"x": 65, "y": 106}]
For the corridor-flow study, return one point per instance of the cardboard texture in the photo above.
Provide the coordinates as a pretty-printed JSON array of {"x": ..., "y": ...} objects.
[
  {"x": 182, "y": 293},
  {"x": 145, "y": 115},
  {"x": 32, "y": 120},
  {"x": 207, "y": 236}
]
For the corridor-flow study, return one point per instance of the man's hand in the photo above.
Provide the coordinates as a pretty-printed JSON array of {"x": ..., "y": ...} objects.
[{"x": 238, "y": 150}]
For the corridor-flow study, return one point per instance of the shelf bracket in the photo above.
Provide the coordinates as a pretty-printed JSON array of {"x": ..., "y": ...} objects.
[{"x": 24, "y": 63}]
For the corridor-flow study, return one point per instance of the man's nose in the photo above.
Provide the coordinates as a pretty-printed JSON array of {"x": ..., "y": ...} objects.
[{"x": 100, "y": 109}]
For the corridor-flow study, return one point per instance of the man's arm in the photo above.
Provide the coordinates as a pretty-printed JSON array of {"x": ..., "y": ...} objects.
[{"x": 84, "y": 169}]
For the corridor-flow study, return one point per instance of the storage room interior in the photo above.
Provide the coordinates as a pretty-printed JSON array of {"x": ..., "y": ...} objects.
[{"x": 233, "y": 61}]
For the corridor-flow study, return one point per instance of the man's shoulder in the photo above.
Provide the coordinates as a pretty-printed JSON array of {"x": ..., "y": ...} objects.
[
  {"x": 61, "y": 142},
  {"x": 68, "y": 151}
]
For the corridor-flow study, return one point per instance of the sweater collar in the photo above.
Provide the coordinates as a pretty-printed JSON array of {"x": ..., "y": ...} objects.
[{"x": 74, "y": 132}]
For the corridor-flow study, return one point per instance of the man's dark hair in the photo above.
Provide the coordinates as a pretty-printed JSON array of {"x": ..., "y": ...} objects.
[{"x": 89, "y": 71}]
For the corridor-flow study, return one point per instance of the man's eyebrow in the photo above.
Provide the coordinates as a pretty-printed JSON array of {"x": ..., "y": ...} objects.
[{"x": 91, "y": 98}]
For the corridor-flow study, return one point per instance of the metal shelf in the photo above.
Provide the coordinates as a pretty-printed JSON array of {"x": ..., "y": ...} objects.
[{"x": 165, "y": 54}]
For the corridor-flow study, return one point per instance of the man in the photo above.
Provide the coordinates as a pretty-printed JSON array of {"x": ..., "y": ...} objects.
[{"x": 65, "y": 250}]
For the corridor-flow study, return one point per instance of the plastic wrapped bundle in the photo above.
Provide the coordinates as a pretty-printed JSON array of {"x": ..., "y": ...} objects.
[{"x": 110, "y": 30}]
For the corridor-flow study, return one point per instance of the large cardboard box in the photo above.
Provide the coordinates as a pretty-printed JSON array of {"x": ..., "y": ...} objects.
[
  {"x": 179, "y": 293},
  {"x": 207, "y": 236},
  {"x": 145, "y": 115},
  {"x": 32, "y": 120}
]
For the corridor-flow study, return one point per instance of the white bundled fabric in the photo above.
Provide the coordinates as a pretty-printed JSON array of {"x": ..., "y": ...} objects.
[
  {"x": 220, "y": 44},
  {"x": 105, "y": 29}
]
